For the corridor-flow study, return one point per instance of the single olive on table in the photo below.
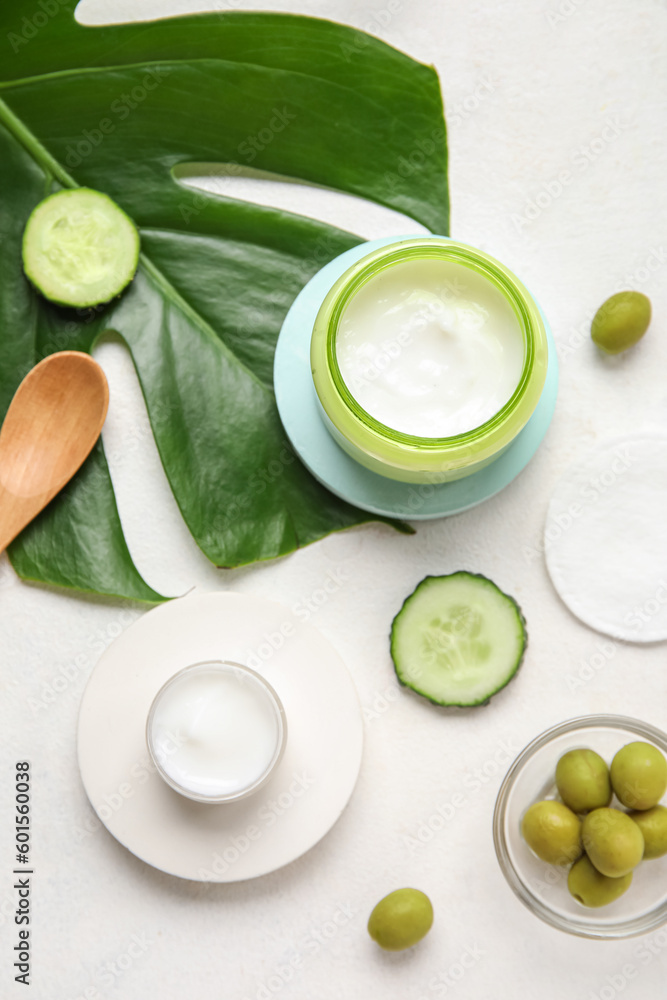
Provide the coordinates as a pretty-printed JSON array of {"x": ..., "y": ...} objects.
[
  {"x": 621, "y": 321},
  {"x": 401, "y": 919}
]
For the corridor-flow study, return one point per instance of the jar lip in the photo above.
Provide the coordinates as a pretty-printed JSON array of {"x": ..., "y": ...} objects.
[
  {"x": 219, "y": 667},
  {"x": 443, "y": 248}
]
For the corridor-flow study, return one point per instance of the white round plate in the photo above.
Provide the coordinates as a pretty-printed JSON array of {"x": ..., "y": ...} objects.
[
  {"x": 605, "y": 538},
  {"x": 305, "y": 796}
]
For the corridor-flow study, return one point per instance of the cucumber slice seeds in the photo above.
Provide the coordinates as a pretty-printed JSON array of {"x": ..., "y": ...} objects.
[
  {"x": 458, "y": 639},
  {"x": 80, "y": 248}
]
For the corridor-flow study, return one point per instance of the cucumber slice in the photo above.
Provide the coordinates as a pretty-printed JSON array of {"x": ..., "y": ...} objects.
[
  {"x": 80, "y": 248},
  {"x": 458, "y": 639}
]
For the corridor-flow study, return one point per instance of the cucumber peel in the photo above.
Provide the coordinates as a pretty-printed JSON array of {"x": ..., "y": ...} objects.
[
  {"x": 458, "y": 639},
  {"x": 80, "y": 248}
]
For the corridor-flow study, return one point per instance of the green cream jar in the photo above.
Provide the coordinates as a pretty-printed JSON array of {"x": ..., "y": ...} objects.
[{"x": 428, "y": 357}]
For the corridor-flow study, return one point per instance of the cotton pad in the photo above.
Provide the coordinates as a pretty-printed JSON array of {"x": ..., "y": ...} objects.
[{"x": 606, "y": 538}]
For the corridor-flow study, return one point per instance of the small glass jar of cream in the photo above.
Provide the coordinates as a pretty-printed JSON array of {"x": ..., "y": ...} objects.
[
  {"x": 216, "y": 731},
  {"x": 428, "y": 358}
]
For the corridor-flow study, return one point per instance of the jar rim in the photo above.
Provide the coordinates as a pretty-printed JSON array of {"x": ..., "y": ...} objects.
[
  {"x": 487, "y": 436},
  {"x": 219, "y": 667}
]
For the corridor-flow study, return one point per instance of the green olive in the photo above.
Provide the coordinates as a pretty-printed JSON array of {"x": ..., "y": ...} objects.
[
  {"x": 621, "y": 321},
  {"x": 653, "y": 825},
  {"x": 590, "y": 888},
  {"x": 639, "y": 775},
  {"x": 612, "y": 841},
  {"x": 553, "y": 832},
  {"x": 401, "y": 919},
  {"x": 582, "y": 779}
]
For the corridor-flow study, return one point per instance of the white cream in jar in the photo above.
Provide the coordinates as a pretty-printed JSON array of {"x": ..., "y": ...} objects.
[
  {"x": 216, "y": 731},
  {"x": 430, "y": 348}
]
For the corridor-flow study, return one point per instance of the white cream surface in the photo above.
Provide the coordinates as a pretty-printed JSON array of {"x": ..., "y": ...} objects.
[
  {"x": 215, "y": 730},
  {"x": 430, "y": 348}
]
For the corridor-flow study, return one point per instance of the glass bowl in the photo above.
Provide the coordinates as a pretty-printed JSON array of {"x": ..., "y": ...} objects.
[{"x": 543, "y": 887}]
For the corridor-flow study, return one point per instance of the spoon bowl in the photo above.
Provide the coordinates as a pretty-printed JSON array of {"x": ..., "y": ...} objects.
[{"x": 51, "y": 425}]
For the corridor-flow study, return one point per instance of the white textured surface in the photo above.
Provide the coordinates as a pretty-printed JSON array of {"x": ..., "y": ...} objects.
[{"x": 524, "y": 98}]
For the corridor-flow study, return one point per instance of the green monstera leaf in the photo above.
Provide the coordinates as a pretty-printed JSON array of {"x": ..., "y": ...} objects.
[{"x": 123, "y": 109}]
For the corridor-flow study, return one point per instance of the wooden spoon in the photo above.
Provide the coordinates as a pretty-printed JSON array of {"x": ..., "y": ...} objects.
[{"x": 51, "y": 425}]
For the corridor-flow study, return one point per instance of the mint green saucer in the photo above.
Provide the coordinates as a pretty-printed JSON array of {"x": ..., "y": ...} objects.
[{"x": 297, "y": 405}]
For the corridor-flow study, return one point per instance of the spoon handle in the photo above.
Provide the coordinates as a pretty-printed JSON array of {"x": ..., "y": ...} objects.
[{"x": 17, "y": 512}]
